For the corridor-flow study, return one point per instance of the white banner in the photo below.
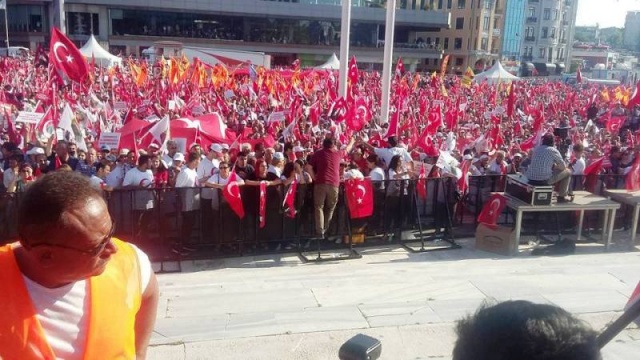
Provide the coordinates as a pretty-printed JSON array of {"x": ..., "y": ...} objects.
[
  {"x": 29, "y": 117},
  {"x": 120, "y": 105},
  {"x": 109, "y": 139}
]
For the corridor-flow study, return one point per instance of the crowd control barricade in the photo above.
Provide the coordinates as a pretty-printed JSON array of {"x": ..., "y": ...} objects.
[{"x": 172, "y": 224}]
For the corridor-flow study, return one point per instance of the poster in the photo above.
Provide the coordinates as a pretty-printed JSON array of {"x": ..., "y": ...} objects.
[{"x": 109, "y": 139}]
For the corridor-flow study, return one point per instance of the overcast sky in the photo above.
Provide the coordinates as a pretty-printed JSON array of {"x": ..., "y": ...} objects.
[{"x": 605, "y": 12}]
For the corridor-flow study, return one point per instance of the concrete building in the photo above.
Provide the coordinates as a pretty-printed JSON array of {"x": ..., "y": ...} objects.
[
  {"x": 631, "y": 36},
  {"x": 548, "y": 35},
  {"x": 308, "y": 30},
  {"x": 474, "y": 38},
  {"x": 513, "y": 26}
]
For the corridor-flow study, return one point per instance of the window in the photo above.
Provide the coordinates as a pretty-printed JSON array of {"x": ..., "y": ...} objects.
[
  {"x": 529, "y": 32},
  {"x": 457, "y": 43},
  {"x": 532, "y": 12},
  {"x": 484, "y": 44},
  {"x": 545, "y": 32},
  {"x": 435, "y": 62},
  {"x": 553, "y": 33},
  {"x": 440, "y": 4},
  {"x": 486, "y": 23},
  {"x": 449, "y": 4},
  {"x": 487, "y": 4},
  {"x": 446, "y": 43},
  {"x": 547, "y": 14},
  {"x": 437, "y": 41},
  {"x": 459, "y": 61},
  {"x": 555, "y": 14},
  {"x": 459, "y": 23},
  {"x": 462, "y": 4},
  {"x": 543, "y": 51},
  {"x": 426, "y": 61}
]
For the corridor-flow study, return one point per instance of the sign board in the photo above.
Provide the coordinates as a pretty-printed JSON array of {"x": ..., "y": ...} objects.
[
  {"x": 28, "y": 117},
  {"x": 276, "y": 116},
  {"x": 172, "y": 105},
  {"x": 120, "y": 105},
  {"x": 109, "y": 139}
]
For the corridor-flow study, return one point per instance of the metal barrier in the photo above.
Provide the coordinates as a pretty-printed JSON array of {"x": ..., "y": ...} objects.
[{"x": 191, "y": 223}]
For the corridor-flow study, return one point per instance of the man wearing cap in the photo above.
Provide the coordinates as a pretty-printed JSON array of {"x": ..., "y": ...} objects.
[
  {"x": 176, "y": 167},
  {"x": 515, "y": 166}
]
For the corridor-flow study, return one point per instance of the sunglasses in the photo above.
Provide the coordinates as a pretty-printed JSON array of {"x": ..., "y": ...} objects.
[
  {"x": 93, "y": 252},
  {"x": 223, "y": 167}
]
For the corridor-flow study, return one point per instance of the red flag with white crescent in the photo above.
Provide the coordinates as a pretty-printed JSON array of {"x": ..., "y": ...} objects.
[
  {"x": 421, "y": 187},
  {"x": 66, "y": 57},
  {"x": 290, "y": 199},
  {"x": 359, "y": 194},
  {"x": 463, "y": 183},
  {"x": 492, "y": 209},
  {"x": 231, "y": 193},
  {"x": 263, "y": 204},
  {"x": 632, "y": 182}
]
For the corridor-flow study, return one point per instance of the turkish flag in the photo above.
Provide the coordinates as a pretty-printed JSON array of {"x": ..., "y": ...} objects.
[
  {"x": 492, "y": 210},
  {"x": 579, "y": 76},
  {"x": 632, "y": 182},
  {"x": 358, "y": 116},
  {"x": 595, "y": 167},
  {"x": 263, "y": 204},
  {"x": 231, "y": 193},
  {"x": 359, "y": 193},
  {"x": 66, "y": 57},
  {"x": 614, "y": 124},
  {"x": 353, "y": 71},
  {"x": 463, "y": 182},
  {"x": 290, "y": 199},
  {"x": 512, "y": 99}
]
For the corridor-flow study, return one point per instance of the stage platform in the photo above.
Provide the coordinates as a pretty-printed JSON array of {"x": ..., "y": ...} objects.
[{"x": 583, "y": 201}]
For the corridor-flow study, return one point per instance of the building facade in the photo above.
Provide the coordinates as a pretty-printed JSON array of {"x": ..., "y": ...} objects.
[
  {"x": 308, "y": 30},
  {"x": 474, "y": 38},
  {"x": 549, "y": 27},
  {"x": 631, "y": 36},
  {"x": 513, "y": 26}
]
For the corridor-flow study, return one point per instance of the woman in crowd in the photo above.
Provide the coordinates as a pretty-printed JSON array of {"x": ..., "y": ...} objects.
[{"x": 396, "y": 194}]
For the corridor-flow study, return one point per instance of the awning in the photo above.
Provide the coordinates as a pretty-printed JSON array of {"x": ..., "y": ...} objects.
[
  {"x": 529, "y": 66},
  {"x": 560, "y": 68},
  {"x": 551, "y": 68}
]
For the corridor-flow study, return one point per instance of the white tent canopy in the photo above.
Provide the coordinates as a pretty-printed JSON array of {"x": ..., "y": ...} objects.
[
  {"x": 333, "y": 63},
  {"x": 93, "y": 49},
  {"x": 495, "y": 74}
]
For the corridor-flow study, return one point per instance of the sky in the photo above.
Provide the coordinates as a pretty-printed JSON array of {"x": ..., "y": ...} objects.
[{"x": 605, "y": 12}]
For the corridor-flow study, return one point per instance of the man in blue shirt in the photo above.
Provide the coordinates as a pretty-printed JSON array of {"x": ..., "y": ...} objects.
[{"x": 548, "y": 168}]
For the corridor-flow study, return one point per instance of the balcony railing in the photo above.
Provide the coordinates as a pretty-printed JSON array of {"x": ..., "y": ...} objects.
[
  {"x": 529, "y": 38},
  {"x": 532, "y": 19}
]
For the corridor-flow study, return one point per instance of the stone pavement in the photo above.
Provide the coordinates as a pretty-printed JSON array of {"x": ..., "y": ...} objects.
[{"x": 276, "y": 307}]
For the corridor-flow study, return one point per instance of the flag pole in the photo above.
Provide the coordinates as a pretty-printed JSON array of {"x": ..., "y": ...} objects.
[
  {"x": 345, "y": 28},
  {"x": 6, "y": 27},
  {"x": 387, "y": 60}
]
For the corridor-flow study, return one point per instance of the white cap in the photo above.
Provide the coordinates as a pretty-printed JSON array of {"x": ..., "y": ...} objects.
[
  {"x": 178, "y": 157},
  {"x": 298, "y": 149},
  {"x": 216, "y": 148},
  {"x": 36, "y": 151},
  {"x": 225, "y": 146},
  {"x": 467, "y": 157},
  {"x": 278, "y": 156},
  {"x": 124, "y": 152}
]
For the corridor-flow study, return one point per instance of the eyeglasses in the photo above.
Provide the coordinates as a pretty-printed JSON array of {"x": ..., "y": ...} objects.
[
  {"x": 223, "y": 167},
  {"x": 93, "y": 252}
]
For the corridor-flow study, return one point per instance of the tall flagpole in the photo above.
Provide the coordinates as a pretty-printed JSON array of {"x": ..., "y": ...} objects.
[
  {"x": 345, "y": 28},
  {"x": 387, "y": 64},
  {"x": 6, "y": 26}
]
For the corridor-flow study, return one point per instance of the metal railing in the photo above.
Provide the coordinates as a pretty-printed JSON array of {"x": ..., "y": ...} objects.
[{"x": 162, "y": 220}]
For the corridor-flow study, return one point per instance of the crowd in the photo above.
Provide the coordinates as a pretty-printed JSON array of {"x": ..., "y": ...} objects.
[{"x": 270, "y": 126}]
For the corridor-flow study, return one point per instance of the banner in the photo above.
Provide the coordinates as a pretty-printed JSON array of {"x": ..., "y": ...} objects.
[
  {"x": 443, "y": 68},
  {"x": 120, "y": 106},
  {"x": 109, "y": 139},
  {"x": 29, "y": 117},
  {"x": 467, "y": 78}
]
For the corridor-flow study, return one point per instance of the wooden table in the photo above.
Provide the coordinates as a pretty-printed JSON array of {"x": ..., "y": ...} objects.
[
  {"x": 631, "y": 198},
  {"x": 582, "y": 202}
]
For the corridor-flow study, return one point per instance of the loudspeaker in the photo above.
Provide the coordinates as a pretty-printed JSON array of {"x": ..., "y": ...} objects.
[{"x": 361, "y": 347}]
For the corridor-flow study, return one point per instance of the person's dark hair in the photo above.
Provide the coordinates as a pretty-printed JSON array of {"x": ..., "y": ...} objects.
[
  {"x": 328, "y": 143},
  {"x": 287, "y": 170},
  {"x": 287, "y": 146},
  {"x": 44, "y": 201},
  {"x": 548, "y": 140},
  {"x": 143, "y": 159},
  {"x": 243, "y": 154},
  {"x": 578, "y": 147},
  {"x": 193, "y": 156},
  {"x": 100, "y": 166},
  {"x": 9, "y": 146},
  {"x": 300, "y": 162},
  {"x": 395, "y": 161},
  {"x": 392, "y": 141},
  {"x": 373, "y": 158},
  {"x": 525, "y": 331}
]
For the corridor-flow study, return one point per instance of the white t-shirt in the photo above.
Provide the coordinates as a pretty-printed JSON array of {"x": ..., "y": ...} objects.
[
  {"x": 216, "y": 179},
  {"x": 207, "y": 168},
  {"x": 9, "y": 177},
  {"x": 96, "y": 182},
  {"x": 168, "y": 160},
  {"x": 143, "y": 200},
  {"x": 188, "y": 178},
  {"x": 115, "y": 177},
  {"x": 579, "y": 166},
  {"x": 377, "y": 177},
  {"x": 387, "y": 154},
  {"x": 62, "y": 311}
]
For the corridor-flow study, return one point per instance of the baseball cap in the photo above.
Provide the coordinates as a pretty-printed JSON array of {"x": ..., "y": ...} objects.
[
  {"x": 111, "y": 158},
  {"x": 517, "y": 155},
  {"x": 178, "y": 157},
  {"x": 278, "y": 156},
  {"x": 124, "y": 152},
  {"x": 216, "y": 147},
  {"x": 105, "y": 148},
  {"x": 36, "y": 151}
]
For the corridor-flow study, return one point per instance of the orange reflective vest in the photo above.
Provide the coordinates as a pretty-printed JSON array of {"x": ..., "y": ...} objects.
[{"x": 114, "y": 301}]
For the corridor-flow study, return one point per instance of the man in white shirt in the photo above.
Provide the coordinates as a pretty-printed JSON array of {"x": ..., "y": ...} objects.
[
  {"x": 277, "y": 164},
  {"x": 172, "y": 149},
  {"x": 140, "y": 180},
  {"x": 116, "y": 176},
  {"x": 189, "y": 199},
  {"x": 98, "y": 180},
  {"x": 387, "y": 154},
  {"x": 578, "y": 165},
  {"x": 207, "y": 168}
]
